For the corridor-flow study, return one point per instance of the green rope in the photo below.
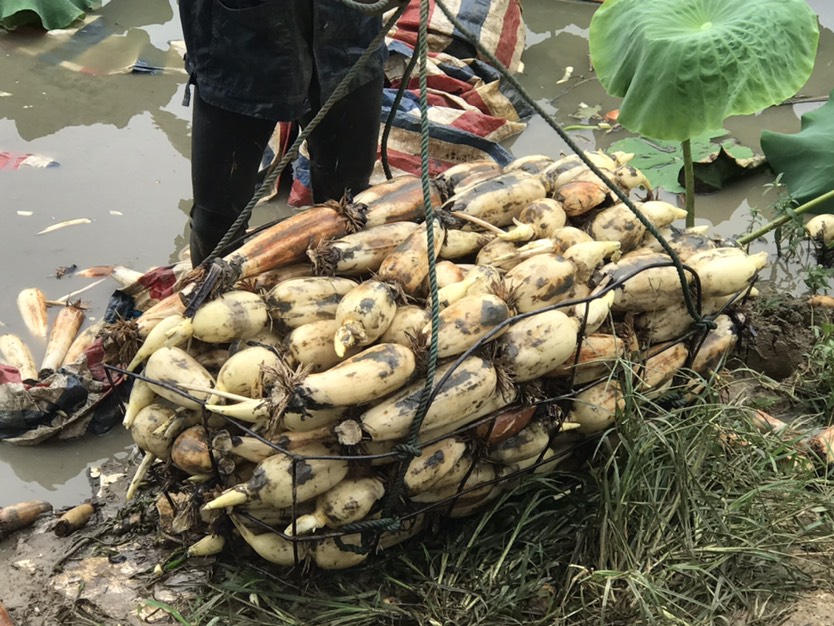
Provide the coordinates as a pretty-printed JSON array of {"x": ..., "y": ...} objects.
[
  {"x": 383, "y": 524},
  {"x": 411, "y": 445},
  {"x": 276, "y": 168},
  {"x": 694, "y": 311}
]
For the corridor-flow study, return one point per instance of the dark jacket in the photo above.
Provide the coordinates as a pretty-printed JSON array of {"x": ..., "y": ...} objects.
[{"x": 275, "y": 59}]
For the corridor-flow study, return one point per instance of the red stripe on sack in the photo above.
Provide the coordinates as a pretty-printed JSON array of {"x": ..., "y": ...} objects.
[
  {"x": 9, "y": 374},
  {"x": 509, "y": 34},
  {"x": 407, "y": 25},
  {"x": 159, "y": 282},
  {"x": 473, "y": 98},
  {"x": 411, "y": 163},
  {"x": 300, "y": 195},
  {"x": 478, "y": 123},
  {"x": 284, "y": 130},
  {"x": 434, "y": 98},
  {"x": 95, "y": 359},
  {"x": 442, "y": 83}
]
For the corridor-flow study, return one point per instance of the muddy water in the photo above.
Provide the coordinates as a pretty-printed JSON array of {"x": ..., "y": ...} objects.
[{"x": 121, "y": 139}]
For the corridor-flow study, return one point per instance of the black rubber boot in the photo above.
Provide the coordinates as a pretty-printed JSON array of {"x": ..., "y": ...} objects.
[
  {"x": 226, "y": 150},
  {"x": 343, "y": 147}
]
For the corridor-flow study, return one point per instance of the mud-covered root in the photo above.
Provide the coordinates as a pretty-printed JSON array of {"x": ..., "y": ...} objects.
[
  {"x": 233, "y": 315},
  {"x": 83, "y": 340},
  {"x": 408, "y": 265},
  {"x": 209, "y": 545},
  {"x": 598, "y": 354},
  {"x": 361, "y": 252},
  {"x": 467, "y": 389},
  {"x": 348, "y": 502},
  {"x": 596, "y": 408},
  {"x": 434, "y": 461},
  {"x": 74, "y": 519},
  {"x": 20, "y": 515},
  {"x": 724, "y": 271},
  {"x": 242, "y": 373},
  {"x": 617, "y": 223},
  {"x": 396, "y": 200},
  {"x": 715, "y": 347},
  {"x": 499, "y": 199},
  {"x": 363, "y": 315},
  {"x": 468, "y": 321},
  {"x": 139, "y": 475},
  {"x": 271, "y": 546},
  {"x": 540, "y": 281},
  {"x": 276, "y": 480},
  {"x": 528, "y": 443},
  {"x": 14, "y": 352},
  {"x": 173, "y": 369},
  {"x": 368, "y": 376},
  {"x": 463, "y": 243},
  {"x": 662, "y": 364},
  {"x": 463, "y": 175},
  {"x": 533, "y": 346},
  {"x": 538, "y": 220},
  {"x": 63, "y": 333},
  {"x": 821, "y": 228},
  {"x": 648, "y": 282},
  {"x": 287, "y": 242},
  {"x": 191, "y": 452}
]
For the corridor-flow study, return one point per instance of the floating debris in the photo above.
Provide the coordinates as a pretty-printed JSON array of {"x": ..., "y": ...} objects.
[{"x": 60, "y": 225}]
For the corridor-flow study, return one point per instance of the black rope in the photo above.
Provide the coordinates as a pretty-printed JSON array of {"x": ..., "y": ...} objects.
[{"x": 392, "y": 114}]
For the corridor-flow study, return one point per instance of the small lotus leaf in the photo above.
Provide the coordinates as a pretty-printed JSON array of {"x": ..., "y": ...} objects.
[
  {"x": 718, "y": 161},
  {"x": 806, "y": 159},
  {"x": 683, "y": 66}
]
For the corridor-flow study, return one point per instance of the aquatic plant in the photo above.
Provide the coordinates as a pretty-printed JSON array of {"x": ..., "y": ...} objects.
[{"x": 683, "y": 66}]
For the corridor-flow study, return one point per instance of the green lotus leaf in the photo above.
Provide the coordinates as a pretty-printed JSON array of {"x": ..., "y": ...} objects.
[
  {"x": 806, "y": 159},
  {"x": 683, "y": 66},
  {"x": 48, "y": 14},
  {"x": 718, "y": 161}
]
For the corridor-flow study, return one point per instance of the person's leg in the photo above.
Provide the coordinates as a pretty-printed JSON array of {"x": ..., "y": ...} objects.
[
  {"x": 226, "y": 149},
  {"x": 343, "y": 146}
]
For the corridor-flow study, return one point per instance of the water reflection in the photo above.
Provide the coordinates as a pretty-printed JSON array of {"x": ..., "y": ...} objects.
[
  {"x": 57, "y": 472},
  {"x": 82, "y": 76}
]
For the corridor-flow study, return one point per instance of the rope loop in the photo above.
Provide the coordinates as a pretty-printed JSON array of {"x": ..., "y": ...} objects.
[
  {"x": 705, "y": 324},
  {"x": 406, "y": 451},
  {"x": 383, "y": 524},
  {"x": 370, "y": 529}
]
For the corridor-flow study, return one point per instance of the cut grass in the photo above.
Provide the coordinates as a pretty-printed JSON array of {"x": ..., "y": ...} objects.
[{"x": 682, "y": 516}]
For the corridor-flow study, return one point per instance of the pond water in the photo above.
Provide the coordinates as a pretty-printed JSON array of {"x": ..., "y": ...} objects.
[{"x": 122, "y": 142}]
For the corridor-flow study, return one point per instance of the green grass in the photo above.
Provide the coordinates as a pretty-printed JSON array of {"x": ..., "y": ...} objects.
[
  {"x": 684, "y": 516},
  {"x": 813, "y": 383}
]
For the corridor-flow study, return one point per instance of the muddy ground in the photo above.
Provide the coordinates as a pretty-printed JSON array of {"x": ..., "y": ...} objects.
[{"x": 108, "y": 572}]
